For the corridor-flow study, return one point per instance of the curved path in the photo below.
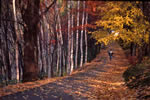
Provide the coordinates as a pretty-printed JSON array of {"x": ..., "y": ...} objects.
[{"x": 101, "y": 79}]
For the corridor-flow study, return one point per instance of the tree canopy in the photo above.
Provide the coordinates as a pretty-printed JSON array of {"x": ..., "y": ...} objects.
[{"x": 121, "y": 20}]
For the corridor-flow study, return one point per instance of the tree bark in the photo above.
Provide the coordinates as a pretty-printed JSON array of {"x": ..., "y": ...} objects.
[
  {"x": 61, "y": 44},
  {"x": 81, "y": 40},
  {"x": 17, "y": 41},
  {"x": 40, "y": 37},
  {"x": 77, "y": 35},
  {"x": 6, "y": 52},
  {"x": 133, "y": 49},
  {"x": 31, "y": 19},
  {"x": 0, "y": 12},
  {"x": 69, "y": 41},
  {"x": 58, "y": 51},
  {"x": 86, "y": 44},
  {"x": 72, "y": 42}
]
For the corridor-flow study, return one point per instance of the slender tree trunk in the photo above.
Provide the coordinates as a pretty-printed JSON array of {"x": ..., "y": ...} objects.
[
  {"x": 58, "y": 42},
  {"x": 46, "y": 32},
  {"x": 7, "y": 56},
  {"x": 58, "y": 50},
  {"x": 64, "y": 61},
  {"x": 60, "y": 65},
  {"x": 52, "y": 48},
  {"x": 41, "y": 49},
  {"x": 50, "y": 59},
  {"x": 140, "y": 54},
  {"x": 86, "y": 44},
  {"x": 77, "y": 35},
  {"x": 44, "y": 45},
  {"x": 5, "y": 48},
  {"x": 49, "y": 68},
  {"x": 81, "y": 40},
  {"x": 1, "y": 54},
  {"x": 61, "y": 44},
  {"x": 48, "y": 53},
  {"x": 72, "y": 62},
  {"x": 0, "y": 12},
  {"x": 69, "y": 40},
  {"x": 133, "y": 49},
  {"x": 17, "y": 41}
]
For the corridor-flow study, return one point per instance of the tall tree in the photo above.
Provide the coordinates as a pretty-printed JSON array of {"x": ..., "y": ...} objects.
[
  {"x": 8, "y": 73},
  {"x": 69, "y": 40},
  {"x": 0, "y": 12},
  {"x": 31, "y": 11},
  {"x": 17, "y": 40},
  {"x": 86, "y": 44},
  {"x": 60, "y": 45},
  {"x": 81, "y": 39},
  {"x": 77, "y": 34},
  {"x": 72, "y": 39}
]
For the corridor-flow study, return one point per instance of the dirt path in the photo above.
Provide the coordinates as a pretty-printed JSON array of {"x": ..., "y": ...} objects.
[{"x": 101, "y": 79}]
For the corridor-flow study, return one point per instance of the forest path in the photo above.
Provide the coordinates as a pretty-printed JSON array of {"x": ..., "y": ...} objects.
[{"x": 100, "y": 79}]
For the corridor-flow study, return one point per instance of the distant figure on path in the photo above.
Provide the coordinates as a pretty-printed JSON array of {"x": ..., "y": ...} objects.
[{"x": 110, "y": 53}]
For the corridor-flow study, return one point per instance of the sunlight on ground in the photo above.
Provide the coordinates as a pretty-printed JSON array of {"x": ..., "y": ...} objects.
[
  {"x": 24, "y": 86},
  {"x": 99, "y": 80}
]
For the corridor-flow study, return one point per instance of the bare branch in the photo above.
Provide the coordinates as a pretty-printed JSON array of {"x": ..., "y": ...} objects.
[{"x": 47, "y": 8}]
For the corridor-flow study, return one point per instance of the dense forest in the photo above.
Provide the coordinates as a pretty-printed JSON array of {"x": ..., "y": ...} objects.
[
  {"x": 44, "y": 38},
  {"x": 48, "y": 38}
]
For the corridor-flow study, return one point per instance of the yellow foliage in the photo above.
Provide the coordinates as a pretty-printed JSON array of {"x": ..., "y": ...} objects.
[{"x": 124, "y": 18}]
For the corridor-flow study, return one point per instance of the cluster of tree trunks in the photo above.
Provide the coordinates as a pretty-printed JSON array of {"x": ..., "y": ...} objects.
[{"x": 39, "y": 39}]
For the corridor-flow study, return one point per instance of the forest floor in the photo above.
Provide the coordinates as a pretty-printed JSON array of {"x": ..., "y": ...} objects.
[{"x": 101, "y": 79}]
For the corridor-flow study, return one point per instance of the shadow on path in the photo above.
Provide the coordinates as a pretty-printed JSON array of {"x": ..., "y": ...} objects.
[{"x": 80, "y": 85}]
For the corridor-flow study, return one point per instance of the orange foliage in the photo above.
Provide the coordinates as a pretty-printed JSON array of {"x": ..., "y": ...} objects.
[{"x": 92, "y": 5}]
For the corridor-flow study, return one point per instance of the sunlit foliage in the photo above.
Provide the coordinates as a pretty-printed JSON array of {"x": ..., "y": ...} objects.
[{"x": 121, "y": 20}]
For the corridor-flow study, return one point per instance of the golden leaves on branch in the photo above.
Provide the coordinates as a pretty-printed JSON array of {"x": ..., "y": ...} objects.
[{"x": 123, "y": 18}]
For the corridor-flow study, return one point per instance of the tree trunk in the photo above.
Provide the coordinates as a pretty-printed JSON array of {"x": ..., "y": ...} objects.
[
  {"x": 48, "y": 56},
  {"x": 40, "y": 37},
  {"x": 77, "y": 35},
  {"x": 133, "y": 49},
  {"x": 72, "y": 63},
  {"x": 17, "y": 41},
  {"x": 58, "y": 50},
  {"x": 140, "y": 56},
  {"x": 69, "y": 40},
  {"x": 61, "y": 44},
  {"x": 6, "y": 51},
  {"x": 86, "y": 44},
  {"x": 81, "y": 40},
  {"x": 31, "y": 19},
  {"x": 0, "y": 12},
  {"x": 50, "y": 68}
]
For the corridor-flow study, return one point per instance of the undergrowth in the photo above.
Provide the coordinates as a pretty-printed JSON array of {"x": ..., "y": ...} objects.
[{"x": 138, "y": 77}]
